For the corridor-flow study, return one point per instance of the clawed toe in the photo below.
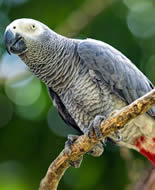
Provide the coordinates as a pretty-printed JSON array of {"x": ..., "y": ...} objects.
[
  {"x": 97, "y": 150},
  {"x": 77, "y": 163},
  {"x": 95, "y": 127},
  {"x": 68, "y": 148},
  {"x": 68, "y": 144},
  {"x": 118, "y": 135}
]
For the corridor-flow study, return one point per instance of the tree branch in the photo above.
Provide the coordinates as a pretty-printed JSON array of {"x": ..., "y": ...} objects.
[{"x": 83, "y": 144}]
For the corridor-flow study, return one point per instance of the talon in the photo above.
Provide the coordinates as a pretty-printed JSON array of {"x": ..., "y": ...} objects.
[
  {"x": 68, "y": 144},
  {"x": 119, "y": 137},
  {"x": 77, "y": 163},
  {"x": 109, "y": 139},
  {"x": 97, "y": 150},
  {"x": 104, "y": 142},
  {"x": 95, "y": 127},
  {"x": 68, "y": 148}
]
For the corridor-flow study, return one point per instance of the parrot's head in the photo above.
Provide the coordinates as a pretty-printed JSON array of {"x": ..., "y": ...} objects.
[{"x": 26, "y": 37}]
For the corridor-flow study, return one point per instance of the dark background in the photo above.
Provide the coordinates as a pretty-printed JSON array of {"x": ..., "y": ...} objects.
[{"x": 31, "y": 132}]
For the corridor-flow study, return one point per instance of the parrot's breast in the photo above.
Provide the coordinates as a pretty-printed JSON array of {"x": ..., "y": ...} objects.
[{"x": 88, "y": 98}]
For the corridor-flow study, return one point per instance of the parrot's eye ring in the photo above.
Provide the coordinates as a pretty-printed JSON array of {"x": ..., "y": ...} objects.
[{"x": 33, "y": 26}]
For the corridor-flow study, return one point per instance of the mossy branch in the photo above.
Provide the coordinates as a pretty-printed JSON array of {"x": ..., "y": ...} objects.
[{"x": 83, "y": 144}]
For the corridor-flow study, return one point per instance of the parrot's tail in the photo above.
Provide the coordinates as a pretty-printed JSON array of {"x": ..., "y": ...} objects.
[
  {"x": 146, "y": 147},
  {"x": 139, "y": 134}
]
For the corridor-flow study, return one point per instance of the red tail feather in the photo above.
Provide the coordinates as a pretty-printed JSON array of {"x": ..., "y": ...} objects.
[{"x": 146, "y": 147}]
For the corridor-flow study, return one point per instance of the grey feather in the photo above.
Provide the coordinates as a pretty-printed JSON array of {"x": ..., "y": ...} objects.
[
  {"x": 85, "y": 78},
  {"x": 63, "y": 112},
  {"x": 116, "y": 70}
]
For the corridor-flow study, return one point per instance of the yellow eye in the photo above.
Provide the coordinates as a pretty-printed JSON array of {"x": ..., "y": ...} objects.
[{"x": 33, "y": 27}]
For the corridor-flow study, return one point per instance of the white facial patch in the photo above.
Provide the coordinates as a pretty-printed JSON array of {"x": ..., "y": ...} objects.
[{"x": 26, "y": 27}]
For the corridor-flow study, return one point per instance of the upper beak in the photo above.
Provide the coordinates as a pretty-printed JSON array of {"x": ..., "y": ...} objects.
[{"x": 14, "y": 43}]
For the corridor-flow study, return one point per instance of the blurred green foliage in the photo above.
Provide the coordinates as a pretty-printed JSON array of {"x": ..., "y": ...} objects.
[{"x": 31, "y": 132}]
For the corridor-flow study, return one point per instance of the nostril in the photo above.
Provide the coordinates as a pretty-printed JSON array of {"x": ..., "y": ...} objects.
[{"x": 14, "y": 27}]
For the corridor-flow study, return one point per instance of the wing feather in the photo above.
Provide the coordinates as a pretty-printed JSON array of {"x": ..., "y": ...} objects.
[
  {"x": 64, "y": 114},
  {"x": 110, "y": 65}
]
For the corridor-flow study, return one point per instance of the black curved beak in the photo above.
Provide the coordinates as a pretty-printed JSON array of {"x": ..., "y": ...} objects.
[{"x": 14, "y": 43}]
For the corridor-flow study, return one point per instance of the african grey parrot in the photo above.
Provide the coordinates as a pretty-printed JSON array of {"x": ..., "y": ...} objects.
[{"x": 86, "y": 79}]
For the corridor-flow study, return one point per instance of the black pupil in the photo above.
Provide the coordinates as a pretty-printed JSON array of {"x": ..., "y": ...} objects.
[
  {"x": 33, "y": 26},
  {"x": 14, "y": 27}
]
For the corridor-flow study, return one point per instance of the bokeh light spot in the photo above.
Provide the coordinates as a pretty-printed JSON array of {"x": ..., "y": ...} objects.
[
  {"x": 34, "y": 111},
  {"x": 141, "y": 22},
  {"x": 137, "y": 5},
  {"x": 11, "y": 65},
  {"x": 24, "y": 92}
]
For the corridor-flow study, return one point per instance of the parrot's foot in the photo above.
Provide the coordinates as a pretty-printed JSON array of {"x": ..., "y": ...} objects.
[
  {"x": 97, "y": 150},
  {"x": 68, "y": 144},
  {"x": 77, "y": 163},
  {"x": 95, "y": 127},
  {"x": 68, "y": 148}
]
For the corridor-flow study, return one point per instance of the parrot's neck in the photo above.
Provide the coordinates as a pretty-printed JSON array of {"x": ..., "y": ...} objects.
[{"x": 60, "y": 68}]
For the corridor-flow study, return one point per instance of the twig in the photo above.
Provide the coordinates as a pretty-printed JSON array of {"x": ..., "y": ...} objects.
[{"x": 83, "y": 144}]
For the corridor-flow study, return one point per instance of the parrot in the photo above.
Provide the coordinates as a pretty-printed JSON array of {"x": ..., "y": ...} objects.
[{"x": 87, "y": 80}]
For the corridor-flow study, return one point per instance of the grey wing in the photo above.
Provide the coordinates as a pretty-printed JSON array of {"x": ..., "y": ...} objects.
[
  {"x": 110, "y": 65},
  {"x": 64, "y": 114}
]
